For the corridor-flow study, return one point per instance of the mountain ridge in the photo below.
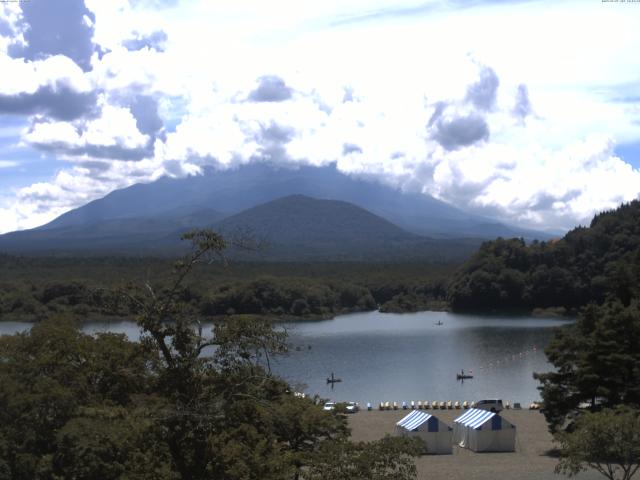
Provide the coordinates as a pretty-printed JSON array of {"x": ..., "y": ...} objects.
[{"x": 146, "y": 217}]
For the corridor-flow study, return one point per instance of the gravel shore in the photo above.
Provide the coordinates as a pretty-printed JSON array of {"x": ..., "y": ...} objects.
[{"x": 530, "y": 460}]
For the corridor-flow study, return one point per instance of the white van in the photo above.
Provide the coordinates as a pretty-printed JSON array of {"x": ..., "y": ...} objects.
[{"x": 493, "y": 405}]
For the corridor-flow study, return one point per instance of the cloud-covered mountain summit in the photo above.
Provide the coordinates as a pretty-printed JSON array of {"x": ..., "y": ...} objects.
[
  {"x": 157, "y": 212},
  {"x": 99, "y": 95}
]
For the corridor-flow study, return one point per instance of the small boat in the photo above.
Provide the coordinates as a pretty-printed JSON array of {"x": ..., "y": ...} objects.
[
  {"x": 439, "y": 322},
  {"x": 460, "y": 376}
]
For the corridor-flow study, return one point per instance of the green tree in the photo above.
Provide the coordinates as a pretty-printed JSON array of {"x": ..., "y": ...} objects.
[
  {"x": 607, "y": 441},
  {"x": 227, "y": 415},
  {"x": 54, "y": 376},
  {"x": 390, "y": 458},
  {"x": 597, "y": 362},
  {"x": 180, "y": 404}
]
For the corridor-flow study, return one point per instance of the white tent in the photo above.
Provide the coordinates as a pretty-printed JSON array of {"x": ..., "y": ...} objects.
[
  {"x": 484, "y": 431},
  {"x": 436, "y": 434}
]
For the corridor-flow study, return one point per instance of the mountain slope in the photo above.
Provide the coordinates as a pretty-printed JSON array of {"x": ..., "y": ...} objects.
[
  {"x": 293, "y": 228},
  {"x": 109, "y": 236},
  {"x": 234, "y": 190},
  {"x": 303, "y": 228}
]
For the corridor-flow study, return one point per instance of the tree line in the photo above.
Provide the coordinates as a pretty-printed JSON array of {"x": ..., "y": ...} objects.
[{"x": 34, "y": 288}]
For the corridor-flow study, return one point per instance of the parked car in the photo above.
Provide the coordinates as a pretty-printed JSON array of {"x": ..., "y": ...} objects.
[
  {"x": 352, "y": 407},
  {"x": 493, "y": 405},
  {"x": 329, "y": 406}
]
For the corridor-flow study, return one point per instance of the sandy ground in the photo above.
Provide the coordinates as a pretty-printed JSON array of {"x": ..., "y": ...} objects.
[{"x": 530, "y": 460}]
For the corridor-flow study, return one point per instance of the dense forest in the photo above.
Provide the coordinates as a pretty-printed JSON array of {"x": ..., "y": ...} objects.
[
  {"x": 33, "y": 288},
  {"x": 101, "y": 407},
  {"x": 588, "y": 265}
]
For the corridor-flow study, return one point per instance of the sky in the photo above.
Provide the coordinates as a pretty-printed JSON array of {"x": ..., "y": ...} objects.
[{"x": 527, "y": 111}]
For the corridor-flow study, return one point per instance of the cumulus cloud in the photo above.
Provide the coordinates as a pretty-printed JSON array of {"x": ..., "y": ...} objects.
[
  {"x": 113, "y": 135},
  {"x": 63, "y": 27},
  {"x": 522, "y": 107},
  {"x": 144, "y": 108},
  {"x": 271, "y": 88},
  {"x": 58, "y": 101},
  {"x": 272, "y": 142},
  {"x": 348, "y": 148},
  {"x": 460, "y": 131},
  {"x": 483, "y": 93},
  {"x": 155, "y": 40},
  {"x": 455, "y": 130}
]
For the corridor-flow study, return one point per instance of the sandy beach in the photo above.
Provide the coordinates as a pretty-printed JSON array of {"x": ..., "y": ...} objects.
[{"x": 530, "y": 460}]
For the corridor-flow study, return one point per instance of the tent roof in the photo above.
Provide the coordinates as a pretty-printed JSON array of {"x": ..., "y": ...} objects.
[
  {"x": 414, "y": 420},
  {"x": 475, "y": 418}
]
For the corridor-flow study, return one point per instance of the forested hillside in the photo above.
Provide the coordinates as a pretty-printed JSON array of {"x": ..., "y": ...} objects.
[{"x": 588, "y": 265}]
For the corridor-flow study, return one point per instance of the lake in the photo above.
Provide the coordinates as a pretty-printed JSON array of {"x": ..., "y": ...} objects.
[{"x": 404, "y": 357}]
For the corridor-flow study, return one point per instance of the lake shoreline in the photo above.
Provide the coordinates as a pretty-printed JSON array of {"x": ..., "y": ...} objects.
[{"x": 542, "y": 313}]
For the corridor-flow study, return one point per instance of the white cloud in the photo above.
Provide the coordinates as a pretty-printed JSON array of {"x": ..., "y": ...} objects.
[
  {"x": 553, "y": 168},
  {"x": 20, "y": 76}
]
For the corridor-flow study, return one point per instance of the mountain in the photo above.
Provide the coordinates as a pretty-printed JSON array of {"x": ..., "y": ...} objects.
[
  {"x": 298, "y": 227},
  {"x": 292, "y": 228},
  {"x": 108, "y": 236},
  {"x": 231, "y": 191},
  {"x": 143, "y": 217}
]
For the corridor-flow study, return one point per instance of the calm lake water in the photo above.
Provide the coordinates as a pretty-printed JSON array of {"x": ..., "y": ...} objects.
[{"x": 404, "y": 357}]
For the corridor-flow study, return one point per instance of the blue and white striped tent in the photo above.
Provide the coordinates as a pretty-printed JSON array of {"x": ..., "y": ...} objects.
[
  {"x": 484, "y": 431},
  {"x": 435, "y": 433}
]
